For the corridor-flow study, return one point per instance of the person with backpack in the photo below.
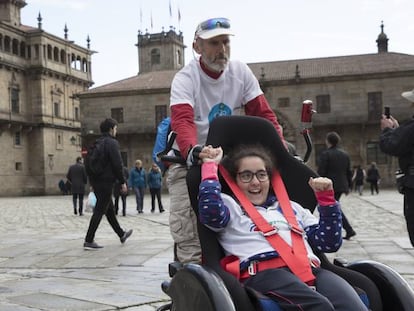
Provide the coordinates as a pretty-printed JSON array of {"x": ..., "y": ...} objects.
[
  {"x": 104, "y": 165},
  {"x": 208, "y": 87}
]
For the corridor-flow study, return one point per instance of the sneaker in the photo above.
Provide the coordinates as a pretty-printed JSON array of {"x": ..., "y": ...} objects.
[
  {"x": 349, "y": 235},
  {"x": 91, "y": 246},
  {"x": 126, "y": 235}
]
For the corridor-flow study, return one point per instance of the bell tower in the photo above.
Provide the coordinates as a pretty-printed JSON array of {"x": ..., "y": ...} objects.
[
  {"x": 10, "y": 11},
  {"x": 160, "y": 51},
  {"x": 382, "y": 41}
]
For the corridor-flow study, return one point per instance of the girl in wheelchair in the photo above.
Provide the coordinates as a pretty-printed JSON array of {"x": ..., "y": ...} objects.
[{"x": 279, "y": 262}]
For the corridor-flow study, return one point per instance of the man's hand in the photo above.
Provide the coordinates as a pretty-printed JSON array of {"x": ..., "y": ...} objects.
[
  {"x": 388, "y": 122},
  {"x": 210, "y": 154},
  {"x": 124, "y": 189}
]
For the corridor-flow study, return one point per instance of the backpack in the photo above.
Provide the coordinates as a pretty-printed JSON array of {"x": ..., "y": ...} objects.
[
  {"x": 95, "y": 158},
  {"x": 163, "y": 145}
]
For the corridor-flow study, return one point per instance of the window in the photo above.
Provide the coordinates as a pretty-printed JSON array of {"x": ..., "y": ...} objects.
[
  {"x": 62, "y": 56},
  {"x": 77, "y": 113},
  {"x": 283, "y": 102},
  {"x": 49, "y": 52},
  {"x": 56, "y": 108},
  {"x": 374, "y": 106},
  {"x": 15, "y": 47},
  {"x": 55, "y": 54},
  {"x": 15, "y": 105},
  {"x": 323, "y": 103},
  {"x": 118, "y": 114},
  {"x": 59, "y": 140},
  {"x": 179, "y": 61},
  {"x": 374, "y": 154},
  {"x": 17, "y": 139},
  {"x": 19, "y": 166},
  {"x": 160, "y": 113},
  {"x": 155, "y": 56},
  {"x": 7, "y": 44}
]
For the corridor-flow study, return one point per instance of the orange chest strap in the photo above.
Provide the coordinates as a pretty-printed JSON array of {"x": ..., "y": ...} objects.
[{"x": 295, "y": 257}]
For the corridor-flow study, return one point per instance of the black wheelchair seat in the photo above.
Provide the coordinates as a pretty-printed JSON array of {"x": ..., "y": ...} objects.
[{"x": 208, "y": 287}]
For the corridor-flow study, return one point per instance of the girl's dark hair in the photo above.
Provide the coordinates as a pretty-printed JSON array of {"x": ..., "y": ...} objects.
[{"x": 232, "y": 161}]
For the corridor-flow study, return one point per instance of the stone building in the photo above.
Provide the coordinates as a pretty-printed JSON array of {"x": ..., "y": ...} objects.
[
  {"x": 348, "y": 92},
  {"x": 40, "y": 75}
]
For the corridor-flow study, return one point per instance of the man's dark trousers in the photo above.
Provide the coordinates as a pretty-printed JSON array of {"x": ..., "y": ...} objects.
[{"x": 104, "y": 206}]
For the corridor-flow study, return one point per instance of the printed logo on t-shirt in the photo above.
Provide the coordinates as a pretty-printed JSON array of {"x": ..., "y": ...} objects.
[{"x": 221, "y": 109}]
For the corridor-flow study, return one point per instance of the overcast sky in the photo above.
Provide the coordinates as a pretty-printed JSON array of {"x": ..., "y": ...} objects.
[{"x": 266, "y": 30}]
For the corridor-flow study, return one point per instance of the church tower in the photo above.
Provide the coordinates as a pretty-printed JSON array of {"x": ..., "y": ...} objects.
[
  {"x": 160, "y": 51},
  {"x": 382, "y": 41},
  {"x": 10, "y": 11}
]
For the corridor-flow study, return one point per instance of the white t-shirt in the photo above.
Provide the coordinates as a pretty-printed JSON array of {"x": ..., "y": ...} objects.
[
  {"x": 210, "y": 97},
  {"x": 241, "y": 239}
]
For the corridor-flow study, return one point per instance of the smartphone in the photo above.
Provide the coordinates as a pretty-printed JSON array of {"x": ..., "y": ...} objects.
[{"x": 387, "y": 112}]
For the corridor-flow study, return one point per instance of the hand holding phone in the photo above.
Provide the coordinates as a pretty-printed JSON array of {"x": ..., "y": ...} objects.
[{"x": 387, "y": 112}]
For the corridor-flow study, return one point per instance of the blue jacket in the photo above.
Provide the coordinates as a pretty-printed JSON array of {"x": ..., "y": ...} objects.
[
  {"x": 154, "y": 179},
  {"x": 137, "y": 178}
]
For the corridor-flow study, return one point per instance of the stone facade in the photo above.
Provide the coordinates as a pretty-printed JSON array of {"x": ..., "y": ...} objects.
[
  {"x": 349, "y": 93},
  {"x": 40, "y": 75}
]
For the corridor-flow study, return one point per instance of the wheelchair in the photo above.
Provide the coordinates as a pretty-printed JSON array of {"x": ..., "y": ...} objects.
[{"x": 208, "y": 287}]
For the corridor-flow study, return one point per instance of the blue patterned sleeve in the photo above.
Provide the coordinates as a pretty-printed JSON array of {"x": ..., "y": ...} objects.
[
  {"x": 212, "y": 211},
  {"x": 326, "y": 235}
]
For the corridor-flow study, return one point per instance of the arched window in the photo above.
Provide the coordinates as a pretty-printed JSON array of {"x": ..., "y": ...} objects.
[
  {"x": 78, "y": 63},
  {"x": 49, "y": 51},
  {"x": 84, "y": 65},
  {"x": 55, "y": 54},
  {"x": 155, "y": 56},
  {"x": 179, "y": 59},
  {"x": 15, "y": 47},
  {"x": 73, "y": 61},
  {"x": 23, "y": 49},
  {"x": 62, "y": 56},
  {"x": 7, "y": 44}
]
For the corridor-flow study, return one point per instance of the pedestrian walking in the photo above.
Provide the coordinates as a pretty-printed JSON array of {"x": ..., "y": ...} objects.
[
  {"x": 335, "y": 164},
  {"x": 103, "y": 184},
  {"x": 154, "y": 180},
  {"x": 358, "y": 178},
  {"x": 119, "y": 194},
  {"x": 77, "y": 177},
  {"x": 137, "y": 182},
  {"x": 209, "y": 86},
  {"x": 373, "y": 178},
  {"x": 398, "y": 141}
]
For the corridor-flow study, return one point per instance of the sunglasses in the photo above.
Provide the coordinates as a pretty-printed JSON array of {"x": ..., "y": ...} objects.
[
  {"x": 247, "y": 176},
  {"x": 214, "y": 23}
]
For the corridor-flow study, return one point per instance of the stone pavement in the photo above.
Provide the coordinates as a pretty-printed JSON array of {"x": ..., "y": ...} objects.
[{"x": 44, "y": 267}]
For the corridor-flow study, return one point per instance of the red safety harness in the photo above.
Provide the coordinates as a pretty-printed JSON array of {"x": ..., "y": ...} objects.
[{"x": 294, "y": 257}]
